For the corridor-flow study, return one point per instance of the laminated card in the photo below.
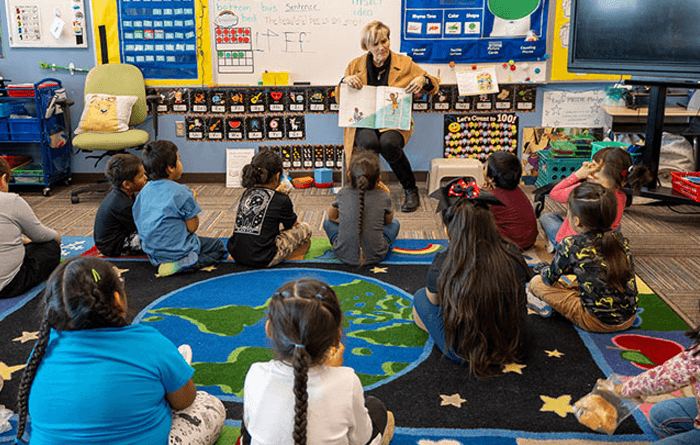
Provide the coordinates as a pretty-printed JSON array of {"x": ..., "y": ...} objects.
[{"x": 375, "y": 107}]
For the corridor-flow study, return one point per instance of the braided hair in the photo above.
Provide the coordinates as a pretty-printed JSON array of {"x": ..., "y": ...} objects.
[
  {"x": 79, "y": 295},
  {"x": 364, "y": 175},
  {"x": 596, "y": 208},
  {"x": 262, "y": 168},
  {"x": 617, "y": 165},
  {"x": 305, "y": 319}
]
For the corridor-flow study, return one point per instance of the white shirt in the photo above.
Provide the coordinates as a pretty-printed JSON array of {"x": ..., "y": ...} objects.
[
  {"x": 336, "y": 410},
  {"x": 17, "y": 219}
]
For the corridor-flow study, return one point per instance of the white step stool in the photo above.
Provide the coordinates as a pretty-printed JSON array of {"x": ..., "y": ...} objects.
[{"x": 441, "y": 168}]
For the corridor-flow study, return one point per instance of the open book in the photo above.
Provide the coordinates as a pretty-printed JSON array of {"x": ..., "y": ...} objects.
[{"x": 375, "y": 107}]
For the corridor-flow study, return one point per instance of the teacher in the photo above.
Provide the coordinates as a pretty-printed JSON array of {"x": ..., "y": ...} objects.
[{"x": 382, "y": 67}]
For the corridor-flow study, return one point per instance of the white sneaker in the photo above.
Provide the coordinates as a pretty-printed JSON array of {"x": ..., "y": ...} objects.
[
  {"x": 550, "y": 246},
  {"x": 538, "y": 306}
]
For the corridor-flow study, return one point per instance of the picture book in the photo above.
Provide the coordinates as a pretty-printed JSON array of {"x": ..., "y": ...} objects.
[{"x": 375, "y": 107}]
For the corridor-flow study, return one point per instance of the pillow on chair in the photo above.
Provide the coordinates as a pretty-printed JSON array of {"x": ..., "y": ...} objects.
[{"x": 105, "y": 113}]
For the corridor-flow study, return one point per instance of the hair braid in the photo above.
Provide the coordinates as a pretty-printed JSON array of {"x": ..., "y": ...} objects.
[
  {"x": 362, "y": 184},
  {"x": 29, "y": 373},
  {"x": 109, "y": 313},
  {"x": 301, "y": 396}
]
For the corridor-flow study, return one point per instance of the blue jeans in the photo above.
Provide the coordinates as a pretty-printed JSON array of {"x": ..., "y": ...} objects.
[
  {"x": 673, "y": 421},
  {"x": 391, "y": 230},
  {"x": 551, "y": 223},
  {"x": 433, "y": 320},
  {"x": 211, "y": 251}
]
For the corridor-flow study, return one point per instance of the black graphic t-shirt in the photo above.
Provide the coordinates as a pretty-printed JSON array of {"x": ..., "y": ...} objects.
[{"x": 260, "y": 213}]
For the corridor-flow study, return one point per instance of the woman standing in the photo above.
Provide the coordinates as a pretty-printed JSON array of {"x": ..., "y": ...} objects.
[{"x": 382, "y": 67}]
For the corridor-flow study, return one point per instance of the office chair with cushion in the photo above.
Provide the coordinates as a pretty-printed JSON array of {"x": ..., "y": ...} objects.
[{"x": 115, "y": 102}]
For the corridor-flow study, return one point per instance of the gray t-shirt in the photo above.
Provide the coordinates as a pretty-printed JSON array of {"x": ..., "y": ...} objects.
[
  {"x": 17, "y": 219},
  {"x": 375, "y": 246}
]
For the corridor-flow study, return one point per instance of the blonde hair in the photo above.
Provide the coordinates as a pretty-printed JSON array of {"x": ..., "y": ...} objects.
[{"x": 372, "y": 33}]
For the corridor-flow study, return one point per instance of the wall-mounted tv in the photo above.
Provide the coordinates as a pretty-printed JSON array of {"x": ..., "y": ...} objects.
[{"x": 636, "y": 37}]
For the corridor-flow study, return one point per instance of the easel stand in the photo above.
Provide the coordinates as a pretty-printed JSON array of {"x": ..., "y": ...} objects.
[{"x": 652, "y": 143}]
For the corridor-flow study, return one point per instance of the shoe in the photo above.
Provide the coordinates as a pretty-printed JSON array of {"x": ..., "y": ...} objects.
[
  {"x": 550, "y": 246},
  {"x": 411, "y": 201},
  {"x": 388, "y": 433},
  {"x": 538, "y": 306},
  {"x": 188, "y": 262}
]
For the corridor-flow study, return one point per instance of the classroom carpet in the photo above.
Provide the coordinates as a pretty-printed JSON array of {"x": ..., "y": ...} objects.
[{"x": 434, "y": 400}]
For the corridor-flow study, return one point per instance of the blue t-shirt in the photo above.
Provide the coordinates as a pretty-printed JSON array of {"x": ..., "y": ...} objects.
[
  {"x": 106, "y": 386},
  {"x": 160, "y": 211}
]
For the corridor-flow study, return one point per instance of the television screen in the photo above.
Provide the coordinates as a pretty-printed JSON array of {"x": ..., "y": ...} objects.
[{"x": 635, "y": 37}]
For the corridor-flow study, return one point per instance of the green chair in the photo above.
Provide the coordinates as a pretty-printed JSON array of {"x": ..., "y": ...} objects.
[{"x": 121, "y": 80}]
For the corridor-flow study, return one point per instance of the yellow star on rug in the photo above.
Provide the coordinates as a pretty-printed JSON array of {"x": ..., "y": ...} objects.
[
  {"x": 27, "y": 336},
  {"x": 6, "y": 371},
  {"x": 561, "y": 405},
  {"x": 379, "y": 270},
  {"x": 531, "y": 312},
  {"x": 208, "y": 269},
  {"x": 121, "y": 272},
  {"x": 514, "y": 367},
  {"x": 554, "y": 353},
  {"x": 454, "y": 400}
]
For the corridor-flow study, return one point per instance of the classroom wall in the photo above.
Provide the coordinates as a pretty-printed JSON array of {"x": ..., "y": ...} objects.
[{"x": 22, "y": 65}]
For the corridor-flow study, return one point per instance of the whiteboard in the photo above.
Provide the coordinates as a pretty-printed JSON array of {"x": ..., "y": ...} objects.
[
  {"x": 46, "y": 23},
  {"x": 313, "y": 40}
]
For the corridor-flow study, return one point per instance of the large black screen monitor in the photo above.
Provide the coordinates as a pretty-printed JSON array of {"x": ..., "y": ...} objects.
[{"x": 636, "y": 37}]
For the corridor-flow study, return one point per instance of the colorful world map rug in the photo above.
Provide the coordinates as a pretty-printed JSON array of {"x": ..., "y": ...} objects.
[{"x": 220, "y": 314}]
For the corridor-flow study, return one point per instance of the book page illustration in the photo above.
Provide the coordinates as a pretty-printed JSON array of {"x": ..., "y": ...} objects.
[{"x": 374, "y": 107}]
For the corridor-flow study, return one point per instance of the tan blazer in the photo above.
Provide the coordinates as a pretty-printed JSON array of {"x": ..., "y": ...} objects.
[{"x": 401, "y": 72}]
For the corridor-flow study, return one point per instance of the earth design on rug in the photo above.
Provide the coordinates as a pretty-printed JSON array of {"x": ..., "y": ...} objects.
[{"x": 223, "y": 320}]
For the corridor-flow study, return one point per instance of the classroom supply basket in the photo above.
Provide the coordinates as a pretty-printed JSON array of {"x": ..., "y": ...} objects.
[
  {"x": 4, "y": 130},
  {"x": 569, "y": 148},
  {"x": 685, "y": 187},
  {"x": 552, "y": 168}
]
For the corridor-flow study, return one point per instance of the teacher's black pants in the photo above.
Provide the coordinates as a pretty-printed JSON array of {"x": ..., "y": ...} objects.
[{"x": 390, "y": 145}]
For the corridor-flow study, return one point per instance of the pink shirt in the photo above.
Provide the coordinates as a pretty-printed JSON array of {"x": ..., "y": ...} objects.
[
  {"x": 675, "y": 373},
  {"x": 560, "y": 193}
]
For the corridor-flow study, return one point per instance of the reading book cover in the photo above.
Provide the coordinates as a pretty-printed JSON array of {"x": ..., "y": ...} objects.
[{"x": 375, "y": 107}]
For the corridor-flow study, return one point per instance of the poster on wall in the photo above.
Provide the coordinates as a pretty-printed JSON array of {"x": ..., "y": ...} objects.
[
  {"x": 478, "y": 135},
  {"x": 437, "y": 31},
  {"x": 573, "y": 109},
  {"x": 560, "y": 46}
]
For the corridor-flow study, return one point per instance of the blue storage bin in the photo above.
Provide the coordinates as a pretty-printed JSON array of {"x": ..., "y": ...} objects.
[
  {"x": 4, "y": 130},
  {"x": 8, "y": 108},
  {"x": 28, "y": 129}
]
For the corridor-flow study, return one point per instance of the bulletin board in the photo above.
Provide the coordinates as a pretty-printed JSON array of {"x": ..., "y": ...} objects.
[
  {"x": 313, "y": 40},
  {"x": 46, "y": 23}
]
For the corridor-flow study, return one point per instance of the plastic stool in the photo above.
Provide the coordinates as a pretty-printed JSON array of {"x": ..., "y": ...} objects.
[{"x": 441, "y": 168}]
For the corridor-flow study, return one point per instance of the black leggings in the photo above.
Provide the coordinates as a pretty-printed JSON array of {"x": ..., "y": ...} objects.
[
  {"x": 390, "y": 145},
  {"x": 40, "y": 259}
]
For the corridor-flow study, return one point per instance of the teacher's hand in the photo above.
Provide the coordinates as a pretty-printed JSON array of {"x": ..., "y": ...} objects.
[
  {"x": 354, "y": 82},
  {"x": 416, "y": 85}
]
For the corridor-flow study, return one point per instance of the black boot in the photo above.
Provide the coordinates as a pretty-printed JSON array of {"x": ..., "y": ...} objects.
[{"x": 412, "y": 200}]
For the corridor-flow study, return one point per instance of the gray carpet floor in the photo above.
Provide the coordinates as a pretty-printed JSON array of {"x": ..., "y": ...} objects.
[{"x": 665, "y": 241}]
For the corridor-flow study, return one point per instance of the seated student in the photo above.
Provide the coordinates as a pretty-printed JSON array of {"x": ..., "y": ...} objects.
[
  {"x": 29, "y": 251},
  {"x": 474, "y": 306},
  {"x": 257, "y": 240},
  {"x": 115, "y": 231},
  {"x": 361, "y": 224},
  {"x": 603, "y": 298},
  {"x": 306, "y": 395},
  {"x": 165, "y": 214},
  {"x": 93, "y": 378},
  {"x": 515, "y": 219}
]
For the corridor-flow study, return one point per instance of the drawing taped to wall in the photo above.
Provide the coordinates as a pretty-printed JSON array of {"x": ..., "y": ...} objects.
[
  {"x": 42, "y": 24},
  {"x": 233, "y": 44}
]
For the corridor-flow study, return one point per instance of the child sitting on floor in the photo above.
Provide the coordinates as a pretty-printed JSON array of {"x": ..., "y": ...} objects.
[
  {"x": 305, "y": 395},
  {"x": 115, "y": 231},
  {"x": 257, "y": 240},
  {"x": 361, "y": 224},
  {"x": 612, "y": 168},
  {"x": 474, "y": 304},
  {"x": 29, "y": 251},
  {"x": 94, "y": 378},
  {"x": 515, "y": 219},
  {"x": 603, "y": 298},
  {"x": 165, "y": 214}
]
